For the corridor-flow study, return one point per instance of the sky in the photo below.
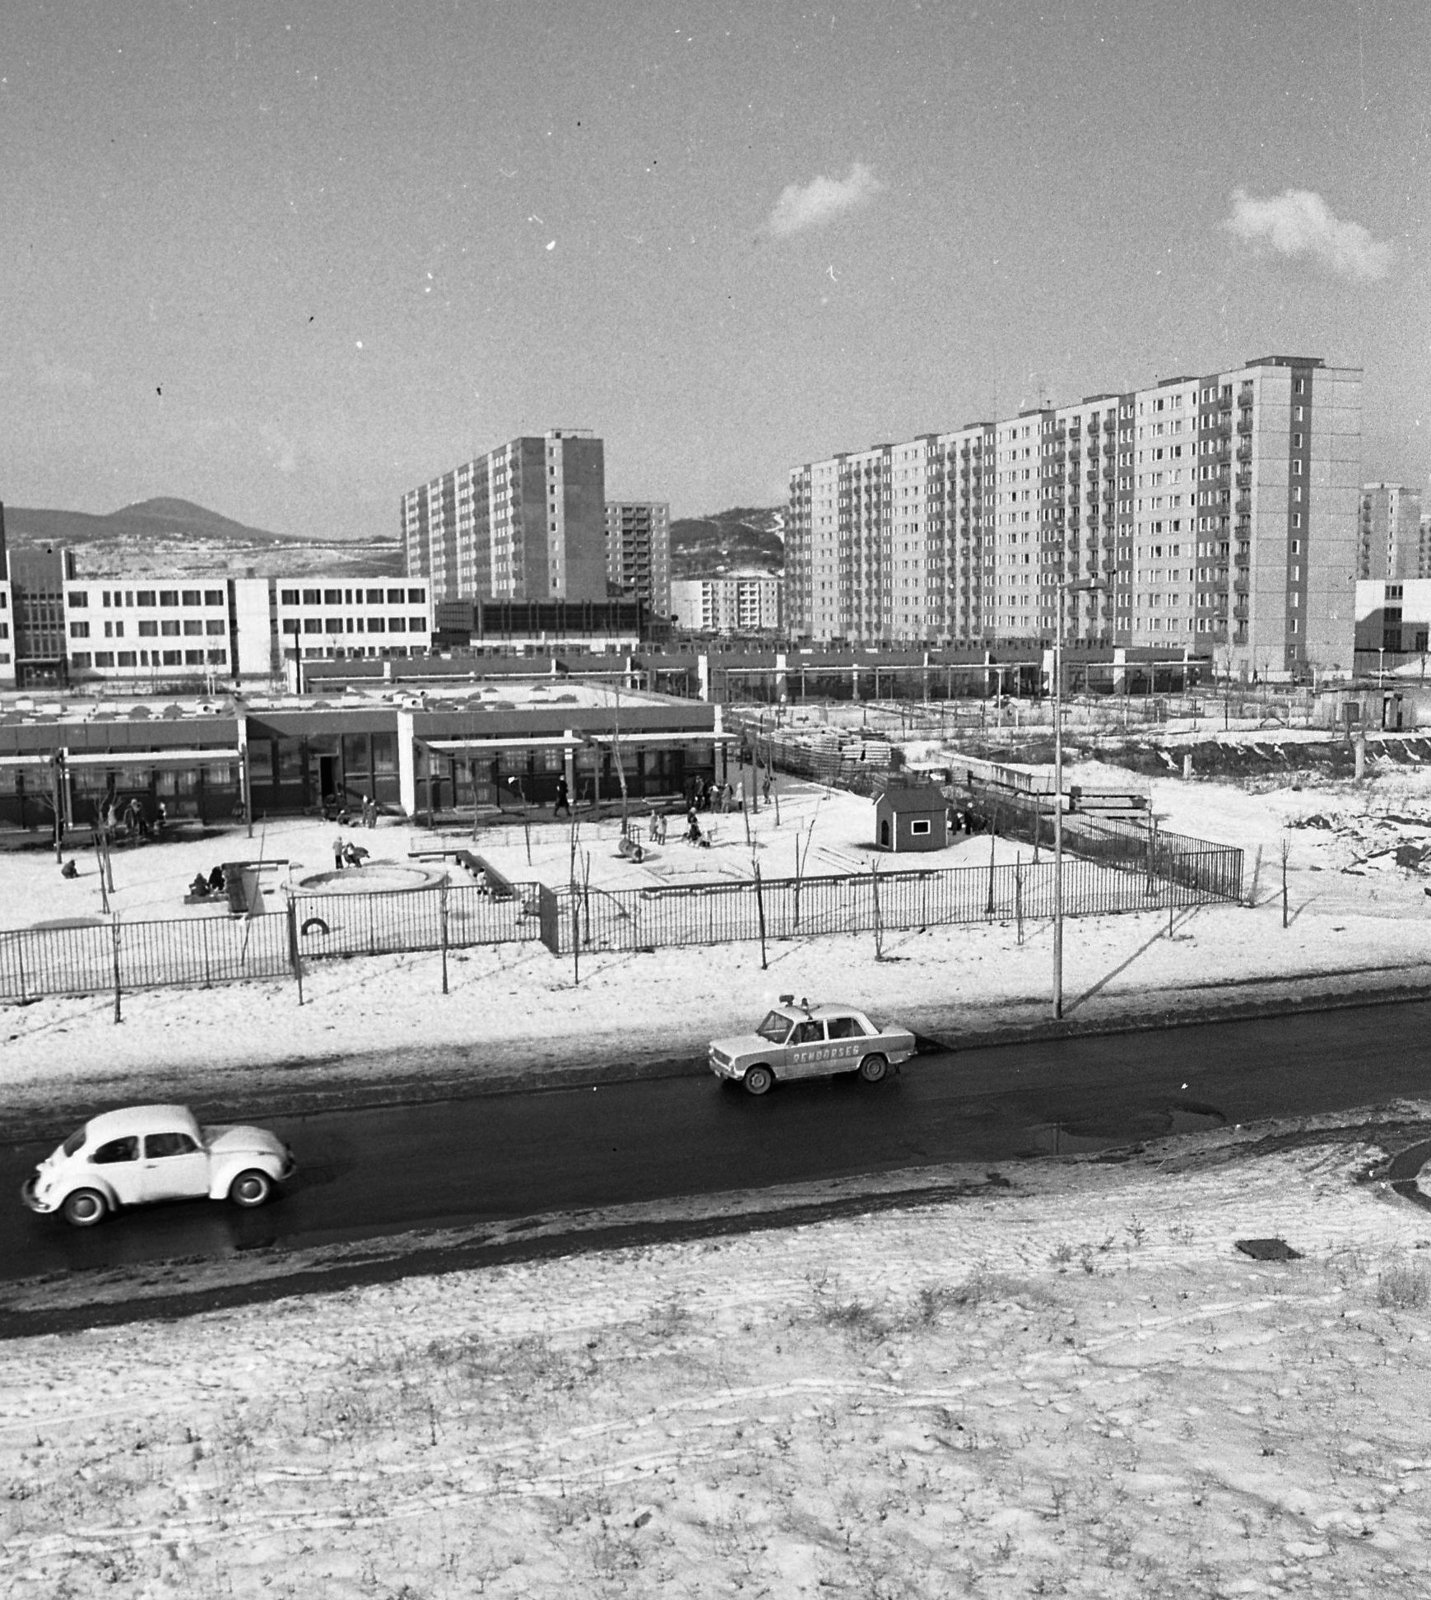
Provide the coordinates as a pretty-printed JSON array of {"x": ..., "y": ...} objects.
[{"x": 290, "y": 260}]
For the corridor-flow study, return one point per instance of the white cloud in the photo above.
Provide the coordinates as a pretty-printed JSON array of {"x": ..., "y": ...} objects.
[
  {"x": 1300, "y": 223},
  {"x": 807, "y": 206}
]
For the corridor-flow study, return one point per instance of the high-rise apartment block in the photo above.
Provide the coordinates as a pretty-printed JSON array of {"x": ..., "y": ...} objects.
[
  {"x": 733, "y": 603},
  {"x": 1391, "y": 543},
  {"x": 1216, "y": 514},
  {"x": 638, "y": 550},
  {"x": 526, "y": 521}
]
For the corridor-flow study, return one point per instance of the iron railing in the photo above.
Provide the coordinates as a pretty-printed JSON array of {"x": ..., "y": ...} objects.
[
  {"x": 201, "y": 951},
  {"x": 786, "y": 908}
]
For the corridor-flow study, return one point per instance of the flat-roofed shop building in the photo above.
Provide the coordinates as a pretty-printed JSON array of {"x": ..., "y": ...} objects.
[
  {"x": 424, "y": 762},
  {"x": 1217, "y": 513}
]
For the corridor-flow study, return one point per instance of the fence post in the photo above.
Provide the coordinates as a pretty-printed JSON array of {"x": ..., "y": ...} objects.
[
  {"x": 115, "y": 930},
  {"x": 576, "y": 937},
  {"x": 993, "y": 841},
  {"x": 878, "y": 930},
  {"x": 1019, "y": 899},
  {"x": 294, "y": 954},
  {"x": 760, "y": 912},
  {"x": 442, "y": 916}
]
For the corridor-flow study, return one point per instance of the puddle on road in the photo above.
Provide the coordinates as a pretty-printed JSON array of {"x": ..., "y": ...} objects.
[{"x": 1073, "y": 1137}]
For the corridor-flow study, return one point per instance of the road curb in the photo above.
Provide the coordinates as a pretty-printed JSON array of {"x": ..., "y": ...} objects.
[{"x": 313, "y": 1085}]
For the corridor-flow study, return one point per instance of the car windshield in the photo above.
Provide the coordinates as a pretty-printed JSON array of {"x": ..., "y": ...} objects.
[
  {"x": 74, "y": 1142},
  {"x": 775, "y": 1027}
]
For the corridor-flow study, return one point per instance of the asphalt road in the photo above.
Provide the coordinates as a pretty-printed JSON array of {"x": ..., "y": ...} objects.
[{"x": 373, "y": 1172}]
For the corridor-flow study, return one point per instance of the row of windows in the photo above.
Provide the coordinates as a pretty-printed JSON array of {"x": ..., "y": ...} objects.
[
  {"x": 79, "y": 598},
  {"x": 353, "y": 625},
  {"x": 349, "y": 597},
  {"x": 149, "y": 658},
  {"x": 148, "y": 628}
]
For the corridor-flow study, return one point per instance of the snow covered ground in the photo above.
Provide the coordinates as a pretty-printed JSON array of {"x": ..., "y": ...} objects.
[
  {"x": 1067, "y": 1381},
  {"x": 1356, "y": 917},
  {"x": 1064, "y": 1380}
]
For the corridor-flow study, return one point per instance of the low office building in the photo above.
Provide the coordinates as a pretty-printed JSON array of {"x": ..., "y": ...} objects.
[
  {"x": 1393, "y": 620},
  {"x": 171, "y": 631}
]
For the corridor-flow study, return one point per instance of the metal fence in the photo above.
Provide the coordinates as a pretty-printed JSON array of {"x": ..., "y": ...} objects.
[
  {"x": 142, "y": 955},
  {"x": 200, "y": 951},
  {"x": 1214, "y": 870},
  {"x": 785, "y": 908},
  {"x": 1118, "y": 868},
  {"x": 457, "y": 916}
]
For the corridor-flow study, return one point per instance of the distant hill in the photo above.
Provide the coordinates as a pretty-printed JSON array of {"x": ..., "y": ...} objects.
[
  {"x": 167, "y": 535},
  {"x": 745, "y": 538}
]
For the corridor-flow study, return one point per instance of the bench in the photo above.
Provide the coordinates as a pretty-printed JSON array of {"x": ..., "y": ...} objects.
[{"x": 499, "y": 886}]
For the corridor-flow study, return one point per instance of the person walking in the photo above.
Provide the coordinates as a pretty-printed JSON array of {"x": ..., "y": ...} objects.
[
  {"x": 563, "y": 797},
  {"x": 338, "y": 852}
]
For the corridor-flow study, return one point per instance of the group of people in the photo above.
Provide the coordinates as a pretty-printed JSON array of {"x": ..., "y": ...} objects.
[
  {"x": 964, "y": 819},
  {"x": 348, "y": 854},
  {"x": 340, "y": 811},
  {"x": 203, "y": 887},
  {"x": 130, "y": 818},
  {"x": 714, "y": 796}
]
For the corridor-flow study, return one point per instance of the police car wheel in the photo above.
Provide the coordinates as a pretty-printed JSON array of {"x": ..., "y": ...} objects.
[
  {"x": 873, "y": 1068},
  {"x": 757, "y": 1080}
]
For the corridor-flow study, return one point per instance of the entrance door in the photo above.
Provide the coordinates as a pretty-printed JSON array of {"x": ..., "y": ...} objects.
[
  {"x": 884, "y": 835},
  {"x": 328, "y": 777}
]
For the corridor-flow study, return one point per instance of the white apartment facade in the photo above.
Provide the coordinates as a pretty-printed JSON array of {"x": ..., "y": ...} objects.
[
  {"x": 166, "y": 629},
  {"x": 734, "y": 603},
  {"x": 638, "y": 550},
  {"x": 526, "y": 521},
  {"x": 1214, "y": 514}
]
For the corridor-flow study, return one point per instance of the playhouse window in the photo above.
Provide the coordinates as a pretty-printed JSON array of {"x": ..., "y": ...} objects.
[{"x": 919, "y": 825}]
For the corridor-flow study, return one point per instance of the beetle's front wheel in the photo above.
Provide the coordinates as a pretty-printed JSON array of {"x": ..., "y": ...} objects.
[
  {"x": 84, "y": 1208},
  {"x": 251, "y": 1188}
]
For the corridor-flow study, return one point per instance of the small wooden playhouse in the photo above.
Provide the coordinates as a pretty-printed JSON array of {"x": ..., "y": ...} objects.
[{"x": 911, "y": 817}]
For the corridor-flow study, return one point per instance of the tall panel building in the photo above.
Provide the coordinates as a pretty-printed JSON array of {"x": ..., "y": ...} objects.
[
  {"x": 638, "y": 550},
  {"x": 526, "y": 521},
  {"x": 1390, "y": 544},
  {"x": 1216, "y": 513}
]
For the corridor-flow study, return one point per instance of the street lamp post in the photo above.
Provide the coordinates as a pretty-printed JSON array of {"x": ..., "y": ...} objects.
[{"x": 1064, "y": 589}]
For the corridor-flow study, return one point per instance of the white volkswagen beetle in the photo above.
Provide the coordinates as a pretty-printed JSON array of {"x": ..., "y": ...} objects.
[
  {"x": 144, "y": 1153},
  {"x": 805, "y": 1041}
]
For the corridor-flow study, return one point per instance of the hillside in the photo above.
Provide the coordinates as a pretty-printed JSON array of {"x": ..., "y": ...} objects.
[
  {"x": 745, "y": 538},
  {"x": 169, "y": 535}
]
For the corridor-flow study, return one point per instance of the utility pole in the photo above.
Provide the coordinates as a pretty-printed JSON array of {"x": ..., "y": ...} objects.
[{"x": 1064, "y": 589}]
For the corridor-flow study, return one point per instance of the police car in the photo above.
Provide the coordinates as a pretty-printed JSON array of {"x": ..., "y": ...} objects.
[{"x": 805, "y": 1041}]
